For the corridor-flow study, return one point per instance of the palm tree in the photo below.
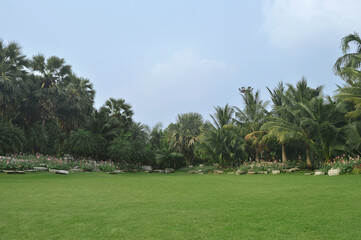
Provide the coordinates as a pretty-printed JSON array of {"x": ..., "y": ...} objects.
[
  {"x": 252, "y": 117},
  {"x": 351, "y": 94},
  {"x": 324, "y": 120},
  {"x": 183, "y": 134},
  {"x": 224, "y": 146},
  {"x": 120, "y": 110},
  {"x": 12, "y": 73},
  {"x": 279, "y": 110},
  {"x": 349, "y": 64},
  {"x": 77, "y": 103},
  {"x": 222, "y": 116}
]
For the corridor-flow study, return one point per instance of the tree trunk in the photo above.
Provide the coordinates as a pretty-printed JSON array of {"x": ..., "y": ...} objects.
[
  {"x": 308, "y": 157},
  {"x": 284, "y": 157},
  {"x": 256, "y": 155}
]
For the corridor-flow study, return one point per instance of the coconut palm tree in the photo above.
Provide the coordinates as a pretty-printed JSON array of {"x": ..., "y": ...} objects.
[
  {"x": 279, "y": 110},
  {"x": 349, "y": 64},
  {"x": 252, "y": 117},
  {"x": 225, "y": 146},
  {"x": 222, "y": 116}
]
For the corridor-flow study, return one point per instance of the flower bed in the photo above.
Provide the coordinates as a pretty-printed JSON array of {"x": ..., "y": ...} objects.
[{"x": 345, "y": 164}]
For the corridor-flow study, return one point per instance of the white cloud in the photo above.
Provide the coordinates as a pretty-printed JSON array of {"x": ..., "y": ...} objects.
[{"x": 290, "y": 23}]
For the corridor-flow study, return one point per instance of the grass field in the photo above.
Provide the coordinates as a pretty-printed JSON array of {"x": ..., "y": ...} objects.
[{"x": 179, "y": 206}]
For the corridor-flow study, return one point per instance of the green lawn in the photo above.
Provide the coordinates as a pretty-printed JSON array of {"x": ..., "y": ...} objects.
[{"x": 179, "y": 206}]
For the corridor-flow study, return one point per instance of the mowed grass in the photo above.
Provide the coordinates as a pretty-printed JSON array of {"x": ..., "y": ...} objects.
[{"x": 179, "y": 206}]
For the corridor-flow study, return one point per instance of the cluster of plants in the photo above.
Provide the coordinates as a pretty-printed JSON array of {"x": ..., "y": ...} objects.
[
  {"x": 45, "y": 107},
  {"x": 27, "y": 161},
  {"x": 261, "y": 165},
  {"x": 345, "y": 164}
]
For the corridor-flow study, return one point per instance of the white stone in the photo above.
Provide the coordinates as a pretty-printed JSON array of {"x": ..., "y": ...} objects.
[
  {"x": 63, "y": 172},
  {"x": 334, "y": 172},
  {"x": 239, "y": 172},
  {"x": 276, "y": 171},
  {"x": 318, "y": 173},
  {"x": 147, "y": 168},
  {"x": 169, "y": 170}
]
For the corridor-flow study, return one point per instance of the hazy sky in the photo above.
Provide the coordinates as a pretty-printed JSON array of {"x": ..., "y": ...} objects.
[{"x": 170, "y": 57}]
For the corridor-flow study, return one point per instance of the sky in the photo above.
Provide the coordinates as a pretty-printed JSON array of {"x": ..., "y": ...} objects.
[{"x": 171, "y": 57}]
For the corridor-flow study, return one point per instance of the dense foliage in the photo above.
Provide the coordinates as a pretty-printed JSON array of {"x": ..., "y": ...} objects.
[{"x": 45, "y": 107}]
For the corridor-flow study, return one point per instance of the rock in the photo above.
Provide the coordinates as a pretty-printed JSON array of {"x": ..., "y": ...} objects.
[
  {"x": 169, "y": 170},
  {"x": 308, "y": 174},
  {"x": 334, "y": 172},
  {"x": 53, "y": 170},
  {"x": 62, "y": 172},
  {"x": 318, "y": 173},
  {"x": 201, "y": 173},
  {"x": 262, "y": 172},
  {"x": 147, "y": 168},
  {"x": 251, "y": 172},
  {"x": 41, "y": 169},
  {"x": 230, "y": 173},
  {"x": 190, "y": 166},
  {"x": 239, "y": 172},
  {"x": 76, "y": 170},
  {"x": 30, "y": 170},
  {"x": 148, "y": 171},
  {"x": 13, "y": 172},
  {"x": 217, "y": 172},
  {"x": 287, "y": 170},
  {"x": 192, "y": 172},
  {"x": 295, "y": 169},
  {"x": 201, "y": 165},
  {"x": 276, "y": 171}
]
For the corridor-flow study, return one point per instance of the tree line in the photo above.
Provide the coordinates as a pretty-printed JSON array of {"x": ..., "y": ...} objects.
[{"x": 45, "y": 107}]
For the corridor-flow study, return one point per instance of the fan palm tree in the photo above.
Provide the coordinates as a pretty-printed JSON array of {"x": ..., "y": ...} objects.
[
  {"x": 183, "y": 134},
  {"x": 12, "y": 73}
]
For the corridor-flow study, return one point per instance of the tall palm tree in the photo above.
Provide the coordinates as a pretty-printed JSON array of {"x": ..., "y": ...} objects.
[
  {"x": 252, "y": 117},
  {"x": 279, "y": 110},
  {"x": 12, "y": 73}
]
